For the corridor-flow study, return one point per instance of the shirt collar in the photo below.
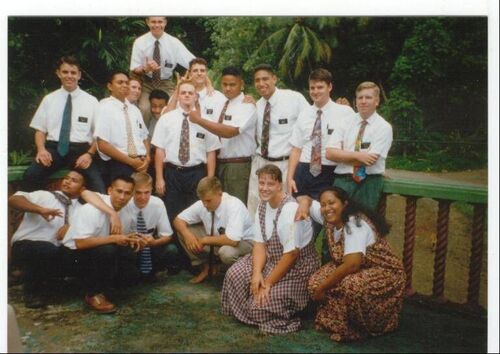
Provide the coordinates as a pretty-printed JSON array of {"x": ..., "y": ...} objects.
[
  {"x": 218, "y": 211},
  {"x": 153, "y": 38},
  {"x": 203, "y": 93},
  {"x": 274, "y": 97},
  {"x": 237, "y": 99},
  {"x": 324, "y": 108},
  {"x": 371, "y": 119},
  {"x": 73, "y": 93}
]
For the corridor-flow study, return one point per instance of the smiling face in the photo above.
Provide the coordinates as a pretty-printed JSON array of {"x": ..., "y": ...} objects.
[
  {"x": 265, "y": 83},
  {"x": 269, "y": 188},
  {"x": 69, "y": 75},
  {"x": 119, "y": 86},
  {"x": 319, "y": 92},
  {"x": 198, "y": 74},
  {"x": 367, "y": 101},
  {"x": 156, "y": 25},
  {"x": 135, "y": 90},
  {"x": 331, "y": 208}
]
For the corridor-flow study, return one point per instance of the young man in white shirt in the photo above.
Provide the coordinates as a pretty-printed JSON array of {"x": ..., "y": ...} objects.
[
  {"x": 360, "y": 149},
  {"x": 122, "y": 136},
  {"x": 146, "y": 215},
  {"x": 64, "y": 125},
  {"x": 154, "y": 58},
  {"x": 228, "y": 227},
  {"x": 92, "y": 252},
  {"x": 235, "y": 127},
  {"x": 47, "y": 216},
  {"x": 277, "y": 112},
  {"x": 135, "y": 90},
  {"x": 309, "y": 171}
]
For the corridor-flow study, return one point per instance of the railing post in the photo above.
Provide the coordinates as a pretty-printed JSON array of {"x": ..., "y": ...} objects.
[
  {"x": 382, "y": 204},
  {"x": 441, "y": 249},
  {"x": 476, "y": 255},
  {"x": 409, "y": 242}
]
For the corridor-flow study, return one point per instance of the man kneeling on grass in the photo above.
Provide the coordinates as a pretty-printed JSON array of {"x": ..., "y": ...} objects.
[{"x": 228, "y": 227}]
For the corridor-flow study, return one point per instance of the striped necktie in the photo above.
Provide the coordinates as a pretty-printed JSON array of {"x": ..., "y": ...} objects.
[{"x": 145, "y": 260}]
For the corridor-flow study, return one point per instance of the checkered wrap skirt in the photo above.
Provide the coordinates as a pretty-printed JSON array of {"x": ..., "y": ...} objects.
[{"x": 287, "y": 297}]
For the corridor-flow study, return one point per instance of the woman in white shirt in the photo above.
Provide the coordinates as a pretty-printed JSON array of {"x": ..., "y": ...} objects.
[{"x": 361, "y": 290}]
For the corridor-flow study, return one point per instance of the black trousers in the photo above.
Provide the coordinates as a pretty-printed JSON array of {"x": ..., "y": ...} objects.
[
  {"x": 36, "y": 176},
  {"x": 309, "y": 185}
]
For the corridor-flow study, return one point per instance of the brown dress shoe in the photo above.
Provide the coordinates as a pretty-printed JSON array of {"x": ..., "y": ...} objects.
[{"x": 100, "y": 304}]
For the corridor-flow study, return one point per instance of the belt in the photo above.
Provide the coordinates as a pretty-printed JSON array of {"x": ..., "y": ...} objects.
[
  {"x": 184, "y": 168},
  {"x": 274, "y": 159},
  {"x": 235, "y": 160}
]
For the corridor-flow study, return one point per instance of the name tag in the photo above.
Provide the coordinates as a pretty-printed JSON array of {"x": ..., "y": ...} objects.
[
  {"x": 200, "y": 135},
  {"x": 283, "y": 121},
  {"x": 365, "y": 145},
  {"x": 226, "y": 117},
  {"x": 83, "y": 119},
  {"x": 221, "y": 230},
  {"x": 168, "y": 65},
  {"x": 210, "y": 111},
  {"x": 140, "y": 125},
  {"x": 330, "y": 131}
]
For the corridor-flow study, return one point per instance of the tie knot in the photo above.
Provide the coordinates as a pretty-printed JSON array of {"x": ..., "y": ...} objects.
[
  {"x": 364, "y": 122},
  {"x": 157, "y": 43},
  {"x": 319, "y": 112},
  {"x": 185, "y": 114}
]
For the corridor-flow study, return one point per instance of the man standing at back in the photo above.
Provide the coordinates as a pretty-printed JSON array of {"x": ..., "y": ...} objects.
[
  {"x": 154, "y": 58},
  {"x": 63, "y": 126},
  {"x": 277, "y": 111}
]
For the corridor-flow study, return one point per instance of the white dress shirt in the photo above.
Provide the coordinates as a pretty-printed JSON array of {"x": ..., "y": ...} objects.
[
  {"x": 292, "y": 234},
  {"x": 211, "y": 105},
  {"x": 334, "y": 116},
  {"x": 377, "y": 139},
  {"x": 244, "y": 117},
  {"x": 34, "y": 227},
  {"x": 285, "y": 108},
  {"x": 155, "y": 217},
  {"x": 111, "y": 126},
  {"x": 231, "y": 215},
  {"x": 172, "y": 52},
  {"x": 167, "y": 136},
  {"x": 49, "y": 115}
]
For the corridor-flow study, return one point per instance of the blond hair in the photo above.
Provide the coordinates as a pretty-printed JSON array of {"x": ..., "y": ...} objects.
[
  {"x": 368, "y": 85},
  {"x": 142, "y": 179},
  {"x": 208, "y": 184}
]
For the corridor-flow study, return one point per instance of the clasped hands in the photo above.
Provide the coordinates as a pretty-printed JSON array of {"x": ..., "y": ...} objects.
[
  {"x": 260, "y": 289},
  {"x": 135, "y": 240}
]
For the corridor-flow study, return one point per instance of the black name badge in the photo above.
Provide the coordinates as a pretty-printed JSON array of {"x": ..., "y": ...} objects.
[
  {"x": 226, "y": 117},
  {"x": 168, "y": 65},
  {"x": 365, "y": 145},
  {"x": 83, "y": 119},
  {"x": 200, "y": 135},
  {"x": 330, "y": 131},
  {"x": 140, "y": 125},
  {"x": 210, "y": 111},
  {"x": 283, "y": 121},
  {"x": 221, "y": 230}
]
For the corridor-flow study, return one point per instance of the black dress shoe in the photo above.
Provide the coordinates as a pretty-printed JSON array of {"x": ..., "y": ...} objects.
[{"x": 33, "y": 301}]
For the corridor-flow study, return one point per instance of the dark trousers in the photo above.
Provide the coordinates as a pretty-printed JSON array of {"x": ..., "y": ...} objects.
[
  {"x": 128, "y": 263},
  {"x": 309, "y": 185},
  {"x": 36, "y": 176},
  {"x": 367, "y": 193},
  {"x": 40, "y": 261},
  {"x": 116, "y": 168}
]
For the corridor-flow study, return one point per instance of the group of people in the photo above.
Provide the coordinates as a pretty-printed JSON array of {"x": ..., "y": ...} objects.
[{"x": 240, "y": 181}]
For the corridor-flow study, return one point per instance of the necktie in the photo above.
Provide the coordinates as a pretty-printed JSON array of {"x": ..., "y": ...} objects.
[
  {"x": 184, "y": 143},
  {"x": 264, "y": 147},
  {"x": 223, "y": 112},
  {"x": 145, "y": 261},
  {"x": 64, "y": 200},
  {"x": 131, "y": 149},
  {"x": 157, "y": 59},
  {"x": 63, "y": 144},
  {"x": 359, "y": 172},
  {"x": 211, "y": 254},
  {"x": 315, "y": 164}
]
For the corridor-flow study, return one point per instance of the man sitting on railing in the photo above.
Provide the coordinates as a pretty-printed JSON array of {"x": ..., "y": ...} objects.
[{"x": 36, "y": 243}]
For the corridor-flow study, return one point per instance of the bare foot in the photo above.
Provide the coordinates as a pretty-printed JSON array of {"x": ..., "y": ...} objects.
[{"x": 201, "y": 276}]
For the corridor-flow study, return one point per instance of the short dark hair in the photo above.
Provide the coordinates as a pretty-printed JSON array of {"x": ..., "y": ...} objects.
[
  {"x": 68, "y": 59},
  {"x": 271, "y": 170},
  {"x": 321, "y": 75},
  {"x": 198, "y": 61},
  {"x": 124, "y": 178},
  {"x": 231, "y": 70},
  {"x": 112, "y": 75},
  {"x": 159, "y": 94},
  {"x": 80, "y": 172},
  {"x": 266, "y": 67}
]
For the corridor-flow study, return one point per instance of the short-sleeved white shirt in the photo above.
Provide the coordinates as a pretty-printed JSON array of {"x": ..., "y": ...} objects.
[
  {"x": 49, "y": 115},
  {"x": 211, "y": 105},
  {"x": 244, "y": 117},
  {"x": 231, "y": 215},
  {"x": 292, "y": 234},
  {"x": 377, "y": 139},
  {"x": 112, "y": 127},
  {"x": 167, "y": 136},
  {"x": 355, "y": 242},
  {"x": 34, "y": 227},
  {"x": 285, "y": 108},
  {"x": 172, "y": 52},
  {"x": 334, "y": 116},
  {"x": 154, "y": 214},
  {"x": 88, "y": 222}
]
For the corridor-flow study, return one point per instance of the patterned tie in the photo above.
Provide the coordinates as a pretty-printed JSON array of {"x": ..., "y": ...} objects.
[
  {"x": 315, "y": 164},
  {"x": 145, "y": 261},
  {"x": 63, "y": 144},
  {"x": 184, "y": 143},
  {"x": 223, "y": 112},
  {"x": 264, "y": 148},
  {"x": 359, "y": 172},
  {"x": 131, "y": 149},
  {"x": 64, "y": 200},
  {"x": 157, "y": 59}
]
